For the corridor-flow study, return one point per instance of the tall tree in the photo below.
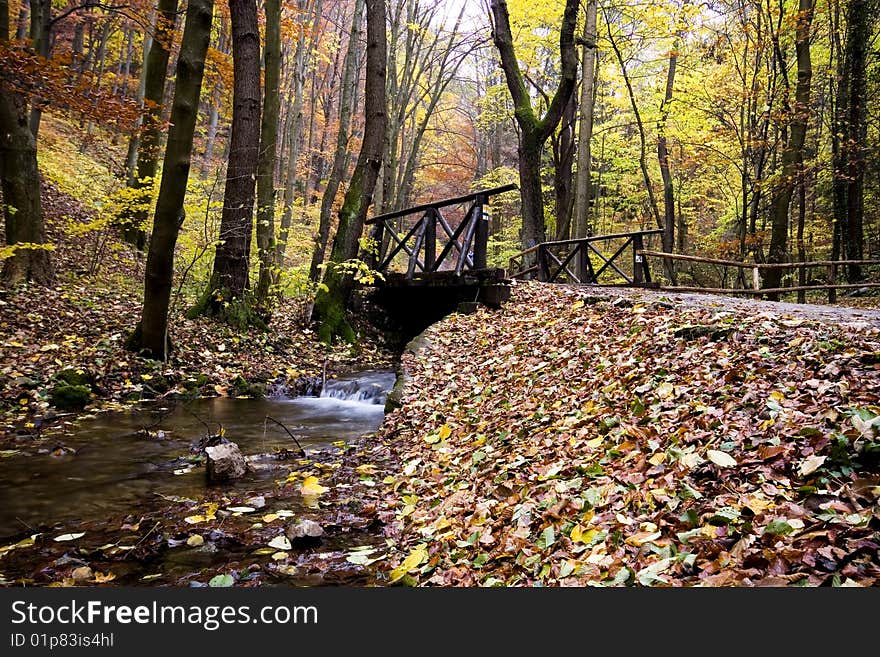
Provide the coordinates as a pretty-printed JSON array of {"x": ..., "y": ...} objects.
[
  {"x": 534, "y": 130},
  {"x": 148, "y": 146},
  {"x": 22, "y": 209},
  {"x": 151, "y": 334},
  {"x": 663, "y": 159},
  {"x": 860, "y": 17},
  {"x": 330, "y": 303},
  {"x": 295, "y": 103},
  {"x": 268, "y": 150},
  {"x": 229, "y": 280},
  {"x": 793, "y": 154},
  {"x": 41, "y": 41},
  {"x": 589, "y": 57},
  {"x": 643, "y": 141},
  {"x": 340, "y": 155}
]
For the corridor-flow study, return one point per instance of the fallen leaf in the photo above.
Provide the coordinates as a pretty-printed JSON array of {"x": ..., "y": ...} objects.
[
  {"x": 721, "y": 459},
  {"x": 810, "y": 464},
  {"x": 280, "y": 542}
]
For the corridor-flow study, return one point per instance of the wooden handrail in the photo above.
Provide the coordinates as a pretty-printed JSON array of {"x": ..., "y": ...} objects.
[
  {"x": 442, "y": 203},
  {"x": 758, "y": 265},
  {"x": 769, "y": 290},
  {"x": 580, "y": 240}
]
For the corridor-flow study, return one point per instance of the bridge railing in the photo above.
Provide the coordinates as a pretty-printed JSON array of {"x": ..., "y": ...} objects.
[
  {"x": 752, "y": 285},
  {"x": 432, "y": 243},
  {"x": 572, "y": 261}
]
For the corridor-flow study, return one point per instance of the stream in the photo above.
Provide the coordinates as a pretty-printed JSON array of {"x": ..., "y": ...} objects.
[{"x": 109, "y": 465}]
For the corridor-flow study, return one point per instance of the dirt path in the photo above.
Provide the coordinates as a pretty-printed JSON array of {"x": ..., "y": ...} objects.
[{"x": 855, "y": 318}]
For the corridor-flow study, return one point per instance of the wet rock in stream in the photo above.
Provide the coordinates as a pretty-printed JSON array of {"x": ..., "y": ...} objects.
[
  {"x": 224, "y": 463},
  {"x": 304, "y": 533}
]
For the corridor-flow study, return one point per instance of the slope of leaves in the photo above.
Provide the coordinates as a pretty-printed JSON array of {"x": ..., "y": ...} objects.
[{"x": 571, "y": 439}]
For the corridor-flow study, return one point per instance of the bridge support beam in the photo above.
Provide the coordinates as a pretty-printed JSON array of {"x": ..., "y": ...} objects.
[{"x": 416, "y": 303}]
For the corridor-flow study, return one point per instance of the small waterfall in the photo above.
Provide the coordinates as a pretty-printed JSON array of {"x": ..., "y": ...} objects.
[{"x": 370, "y": 388}]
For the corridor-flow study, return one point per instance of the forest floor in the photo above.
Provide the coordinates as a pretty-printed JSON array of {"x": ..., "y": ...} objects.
[{"x": 583, "y": 436}]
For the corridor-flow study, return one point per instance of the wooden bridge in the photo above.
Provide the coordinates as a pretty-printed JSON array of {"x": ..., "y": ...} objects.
[{"x": 431, "y": 263}]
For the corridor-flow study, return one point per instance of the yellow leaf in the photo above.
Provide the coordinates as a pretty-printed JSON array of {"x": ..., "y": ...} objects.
[
  {"x": 269, "y": 517},
  {"x": 366, "y": 469},
  {"x": 193, "y": 520},
  {"x": 310, "y": 486},
  {"x": 641, "y": 538},
  {"x": 413, "y": 560},
  {"x": 195, "y": 540},
  {"x": 444, "y": 432},
  {"x": 595, "y": 442},
  {"x": 658, "y": 458},
  {"x": 432, "y": 438},
  {"x": 577, "y": 534},
  {"x": 100, "y": 578},
  {"x": 27, "y": 542}
]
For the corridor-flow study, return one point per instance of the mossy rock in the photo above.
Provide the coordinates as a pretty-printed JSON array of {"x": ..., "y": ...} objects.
[
  {"x": 194, "y": 384},
  {"x": 158, "y": 384},
  {"x": 70, "y": 398},
  {"x": 256, "y": 391},
  {"x": 74, "y": 376}
]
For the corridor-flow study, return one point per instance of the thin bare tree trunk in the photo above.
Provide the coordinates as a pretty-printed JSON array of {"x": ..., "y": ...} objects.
[{"x": 582, "y": 189}]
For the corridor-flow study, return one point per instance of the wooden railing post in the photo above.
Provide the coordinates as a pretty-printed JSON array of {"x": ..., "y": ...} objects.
[
  {"x": 543, "y": 264},
  {"x": 638, "y": 260},
  {"x": 430, "y": 239},
  {"x": 583, "y": 263},
  {"x": 756, "y": 278},
  {"x": 832, "y": 280},
  {"x": 481, "y": 234}
]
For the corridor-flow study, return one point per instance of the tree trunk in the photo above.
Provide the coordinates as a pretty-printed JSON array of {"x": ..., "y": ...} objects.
[
  {"x": 839, "y": 143},
  {"x": 24, "y": 11},
  {"x": 151, "y": 334},
  {"x": 534, "y": 131},
  {"x": 858, "y": 33},
  {"x": 41, "y": 42},
  {"x": 793, "y": 155},
  {"x": 643, "y": 161},
  {"x": 665, "y": 173},
  {"x": 135, "y": 140},
  {"x": 338, "y": 168},
  {"x": 582, "y": 191},
  {"x": 293, "y": 139},
  {"x": 22, "y": 210},
  {"x": 330, "y": 303},
  {"x": 268, "y": 150},
  {"x": 229, "y": 279},
  {"x": 563, "y": 166},
  {"x": 134, "y": 231}
]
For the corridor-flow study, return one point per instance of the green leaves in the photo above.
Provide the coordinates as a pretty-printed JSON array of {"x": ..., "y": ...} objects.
[{"x": 221, "y": 581}]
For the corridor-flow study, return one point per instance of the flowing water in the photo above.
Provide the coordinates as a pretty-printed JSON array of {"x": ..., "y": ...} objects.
[{"x": 109, "y": 464}]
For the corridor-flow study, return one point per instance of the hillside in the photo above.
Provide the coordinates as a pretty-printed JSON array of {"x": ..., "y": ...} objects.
[{"x": 584, "y": 436}]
